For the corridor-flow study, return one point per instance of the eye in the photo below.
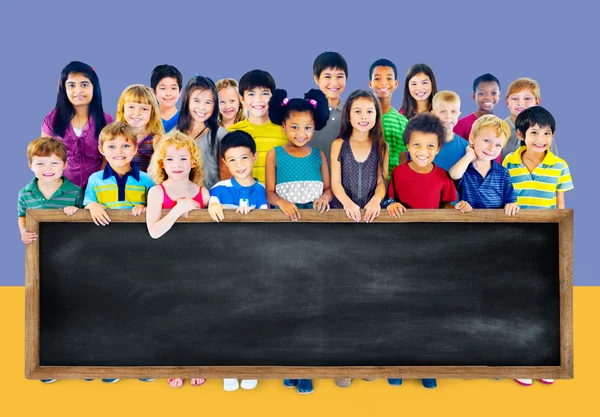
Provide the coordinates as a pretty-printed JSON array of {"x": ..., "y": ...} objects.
[
  {"x": 126, "y": 145},
  {"x": 495, "y": 93},
  {"x": 486, "y": 140},
  {"x": 294, "y": 127},
  {"x": 145, "y": 108},
  {"x": 244, "y": 158},
  {"x": 168, "y": 159},
  {"x": 327, "y": 77},
  {"x": 498, "y": 145},
  {"x": 162, "y": 88},
  {"x": 251, "y": 94}
]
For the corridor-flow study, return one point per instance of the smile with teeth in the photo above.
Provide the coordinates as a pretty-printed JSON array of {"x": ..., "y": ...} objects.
[
  {"x": 48, "y": 174},
  {"x": 422, "y": 158},
  {"x": 201, "y": 115},
  {"x": 119, "y": 158},
  {"x": 363, "y": 124}
]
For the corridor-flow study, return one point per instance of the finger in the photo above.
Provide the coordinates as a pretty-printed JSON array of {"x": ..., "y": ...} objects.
[
  {"x": 184, "y": 214},
  {"x": 328, "y": 207}
]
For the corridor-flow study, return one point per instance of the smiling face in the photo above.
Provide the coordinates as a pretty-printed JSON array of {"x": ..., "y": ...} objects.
[
  {"x": 47, "y": 168},
  {"x": 137, "y": 115},
  {"x": 118, "y": 152},
  {"x": 177, "y": 163},
  {"x": 383, "y": 82},
  {"x": 167, "y": 92},
  {"x": 537, "y": 138},
  {"x": 229, "y": 104},
  {"x": 486, "y": 144},
  {"x": 80, "y": 90},
  {"x": 201, "y": 107},
  {"x": 423, "y": 147},
  {"x": 487, "y": 96},
  {"x": 363, "y": 114},
  {"x": 240, "y": 162},
  {"x": 448, "y": 114},
  {"x": 520, "y": 101},
  {"x": 419, "y": 87},
  {"x": 332, "y": 82},
  {"x": 257, "y": 101},
  {"x": 299, "y": 128}
]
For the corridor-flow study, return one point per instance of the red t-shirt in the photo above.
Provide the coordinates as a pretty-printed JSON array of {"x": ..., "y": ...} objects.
[{"x": 421, "y": 191}]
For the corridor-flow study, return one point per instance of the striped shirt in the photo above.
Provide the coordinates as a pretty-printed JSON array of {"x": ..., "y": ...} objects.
[
  {"x": 31, "y": 197},
  {"x": 393, "y": 128},
  {"x": 537, "y": 189},
  {"x": 231, "y": 194},
  {"x": 114, "y": 192},
  {"x": 144, "y": 153},
  {"x": 494, "y": 191}
]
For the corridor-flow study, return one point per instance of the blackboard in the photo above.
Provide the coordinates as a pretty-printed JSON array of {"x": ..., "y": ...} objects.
[{"x": 323, "y": 296}]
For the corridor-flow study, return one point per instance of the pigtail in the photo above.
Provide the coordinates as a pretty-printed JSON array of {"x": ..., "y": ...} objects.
[
  {"x": 321, "y": 110},
  {"x": 276, "y": 106}
]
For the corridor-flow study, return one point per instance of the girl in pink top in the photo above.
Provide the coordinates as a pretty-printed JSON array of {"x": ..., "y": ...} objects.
[{"x": 77, "y": 120}]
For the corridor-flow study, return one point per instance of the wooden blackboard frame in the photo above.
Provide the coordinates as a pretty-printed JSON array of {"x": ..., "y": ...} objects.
[{"x": 564, "y": 219}]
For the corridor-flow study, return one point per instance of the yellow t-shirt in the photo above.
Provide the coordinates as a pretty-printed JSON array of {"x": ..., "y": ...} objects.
[{"x": 267, "y": 137}]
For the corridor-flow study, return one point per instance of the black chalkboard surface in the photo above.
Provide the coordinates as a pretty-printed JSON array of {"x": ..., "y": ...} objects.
[{"x": 283, "y": 294}]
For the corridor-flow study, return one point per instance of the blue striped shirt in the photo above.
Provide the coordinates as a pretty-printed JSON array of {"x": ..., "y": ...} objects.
[{"x": 494, "y": 191}]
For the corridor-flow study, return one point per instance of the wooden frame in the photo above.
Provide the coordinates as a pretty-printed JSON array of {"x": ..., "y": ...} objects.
[{"x": 564, "y": 219}]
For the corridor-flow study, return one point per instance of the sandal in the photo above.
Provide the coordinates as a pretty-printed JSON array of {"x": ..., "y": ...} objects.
[
  {"x": 196, "y": 382},
  {"x": 175, "y": 382}
]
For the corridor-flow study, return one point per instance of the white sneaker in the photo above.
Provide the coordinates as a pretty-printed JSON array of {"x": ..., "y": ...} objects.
[
  {"x": 525, "y": 382},
  {"x": 230, "y": 384},
  {"x": 249, "y": 383},
  {"x": 547, "y": 381}
]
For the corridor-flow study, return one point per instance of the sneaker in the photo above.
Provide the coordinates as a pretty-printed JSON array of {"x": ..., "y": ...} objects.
[
  {"x": 547, "y": 381},
  {"x": 88, "y": 379},
  {"x": 305, "y": 386},
  {"x": 290, "y": 383},
  {"x": 395, "y": 381},
  {"x": 146, "y": 379},
  {"x": 343, "y": 383},
  {"x": 110, "y": 380},
  {"x": 429, "y": 383},
  {"x": 230, "y": 384},
  {"x": 369, "y": 379},
  {"x": 48, "y": 381},
  {"x": 524, "y": 382},
  {"x": 249, "y": 383}
]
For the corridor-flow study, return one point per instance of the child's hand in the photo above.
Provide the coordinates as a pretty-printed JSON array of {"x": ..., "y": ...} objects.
[
  {"x": 99, "y": 214},
  {"x": 321, "y": 205},
  {"x": 244, "y": 209},
  {"x": 216, "y": 212},
  {"x": 28, "y": 237},
  {"x": 463, "y": 206},
  {"x": 470, "y": 151},
  {"x": 69, "y": 211},
  {"x": 185, "y": 205},
  {"x": 289, "y": 209},
  {"x": 372, "y": 210},
  {"x": 396, "y": 210},
  {"x": 137, "y": 210},
  {"x": 511, "y": 209},
  {"x": 352, "y": 211}
]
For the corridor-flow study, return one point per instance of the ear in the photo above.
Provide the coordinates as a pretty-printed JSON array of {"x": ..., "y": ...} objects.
[
  {"x": 396, "y": 84},
  {"x": 473, "y": 95},
  {"x": 471, "y": 139},
  {"x": 537, "y": 102},
  {"x": 100, "y": 150},
  {"x": 370, "y": 85},
  {"x": 66, "y": 165},
  {"x": 153, "y": 92},
  {"x": 316, "y": 79},
  {"x": 519, "y": 134},
  {"x": 255, "y": 156}
]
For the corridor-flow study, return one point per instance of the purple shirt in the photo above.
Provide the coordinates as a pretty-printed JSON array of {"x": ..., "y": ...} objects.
[{"x": 83, "y": 156}]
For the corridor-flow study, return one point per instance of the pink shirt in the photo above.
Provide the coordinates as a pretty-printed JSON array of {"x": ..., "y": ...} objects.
[
  {"x": 83, "y": 156},
  {"x": 464, "y": 125}
]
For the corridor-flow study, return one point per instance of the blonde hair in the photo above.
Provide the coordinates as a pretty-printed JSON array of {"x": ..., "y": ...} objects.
[
  {"x": 226, "y": 83},
  {"x": 46, "y": 146},
  {"x": 139, "y": 93},
  {"x": 521, "y": 84},
  {"x": 114, "y": 129},
  {"x": 445, "y": 96},
  {"x": 178, "y": 139},
  {"x": 494, "y": 122}
]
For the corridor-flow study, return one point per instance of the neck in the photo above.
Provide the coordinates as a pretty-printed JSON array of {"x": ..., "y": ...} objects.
[
  {"x": 167, "y": 112},
  {"x": 50, "y": 186},
  {"x": 333, "y": 103},
  {"x": 513, "y": 118},
  {"x": 246, "y": 182},
  {"x": 421, "y": 170},
  {"x": 386, "y": 104},
  {"x": 140, "y": 132},
  {"x": 481, "y": 164},
  {"x": 533, "y": 156},
  {"x": 227, "y": 123},
  {"x": 177, "y": 184},
  {"x": 449, "y": 136},
  {"x": 480, "y": 113},
  {"x": 196, "y": 129},
  {"x": 82, "y": 111},
  {"x": 262, "y": 120},
  {"x": 122, "y": 170},
  {"x": 359, "y": 136},
  {"x": 422, "y": 106}
]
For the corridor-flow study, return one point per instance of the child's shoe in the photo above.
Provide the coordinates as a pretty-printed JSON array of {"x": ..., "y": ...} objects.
[
  {"x": 547, "y": 381},
  {"x": 305, "y": 386},
  {"x": 395, "y": 381},
  {"x": 344, "y": 382},
  {"x": 429, "y": 382},
  {"x": 290, "y": 383},
  {"x": 249, "y": 383},
  {"x": 175, "y": 382},
  {"x": 524, "y": 382},
  {"x": 48, "y": 381},
  {"x": 369, "y": 379},
  {"x": 88, "y": 379},
  {"x": 146, "y": 379},
  {"x": 110, "y": 380},
  {"x": 230, "y": 384}
]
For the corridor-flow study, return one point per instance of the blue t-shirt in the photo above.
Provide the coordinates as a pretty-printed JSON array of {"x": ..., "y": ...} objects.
[
  {"x": 171, "y": 123},
  {"x": 451, "y": 152},
  {"x": 492, "y": 192},
  {"x": 231, "y": 194}
]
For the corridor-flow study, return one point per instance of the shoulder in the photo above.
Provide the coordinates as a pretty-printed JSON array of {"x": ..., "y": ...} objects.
[
  {"x": 221, "y": 132},
  {"x": 441, "y": 173},
  {"x": 555, "y": 161},
  {"x": 96, "y": 176},
  {"x": 108, "y": 118},
  {"x": 145, "y": 178},
  {"x": 241, "y": 125},
  {"x": 69, "y": 186},
  {"x": 222, "y": 184}
]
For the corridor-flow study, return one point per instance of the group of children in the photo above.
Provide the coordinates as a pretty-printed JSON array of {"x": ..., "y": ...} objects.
[{"x": 248, "y": 146}]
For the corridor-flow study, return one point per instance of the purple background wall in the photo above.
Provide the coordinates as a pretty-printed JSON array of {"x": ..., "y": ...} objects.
[{"x": 459, "y": 40}]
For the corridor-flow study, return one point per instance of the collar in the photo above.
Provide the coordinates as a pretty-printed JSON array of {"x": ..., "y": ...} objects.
[
  {"x": 133, "y": 172},
  {"x": 66, "y": 185},
  {"x": 239, "y": 186},
  {"x": 549, "y": 159}
]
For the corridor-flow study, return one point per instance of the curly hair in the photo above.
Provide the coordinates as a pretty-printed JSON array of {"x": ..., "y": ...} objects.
[
  {"x": 280, "y": 111},
  {"x": 178, "y": 139}
]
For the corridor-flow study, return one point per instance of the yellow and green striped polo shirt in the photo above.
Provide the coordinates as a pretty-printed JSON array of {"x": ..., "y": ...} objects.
[
  {"x": 114, "y": 192},
  {"x": 537, "y": 189}
]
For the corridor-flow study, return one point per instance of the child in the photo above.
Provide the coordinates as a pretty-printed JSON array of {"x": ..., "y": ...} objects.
[
  {"x": 446, "y": 106},
  {"x": 256, "y": 88},
  {"x": 330, "y": 72},
  {"x": 298, "y": 175},
  {"x": 419, "y": 89},
  {"x": 360, "y": 154},
  {"x": 484, "y": 183},
  {"x": 231, "y": 109},
  {"x": 77, "y": 120},
  {"x": 522, "y": 94},
  {"x": 199, "y": 120},
  {"x": 137, "y": 107},
  {"x": 383, "y": 81},
  {"x": 420, "y": 184},
  {"x": 177, "y": 171},
  {"x": 540, "y": 178},
  {"x": 486, "y": 93},
  {"x": 120, "y": 185},
  {"x": 242, "y": 192},
  {"x": 166, "y": 81}
]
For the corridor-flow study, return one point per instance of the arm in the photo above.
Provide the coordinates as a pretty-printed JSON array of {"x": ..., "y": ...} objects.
[
  {"x": 560, "y": 199},
  {"x": 26, "y": 237},
  {"x": 351, "y": 208},
  {"x": 321, "y": 204},
  {"x": 287, "y": 208},
  {"x": 373, "y": 207},
  {"x": 157, "y": 226},
  {"x": 458, "y": 169}
]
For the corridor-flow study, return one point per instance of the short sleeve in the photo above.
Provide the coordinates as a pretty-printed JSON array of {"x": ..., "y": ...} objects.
[
  {"x": 565, "y": 183},
  {"x": 21, "y": 206},
  {"x": 79, "y": 199},
  {"x": 505, "y": 162},
  {"x": 48, "y": 123},
  {"x": 90, "y": 194},
  {"x": 448, "y": 190},
  {"x": 108, "y": 118},
  {"x": 510, "y": 196}
]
